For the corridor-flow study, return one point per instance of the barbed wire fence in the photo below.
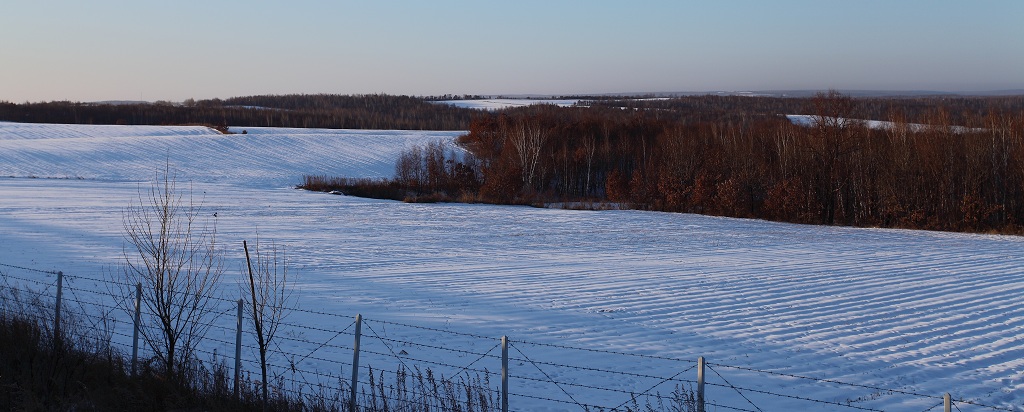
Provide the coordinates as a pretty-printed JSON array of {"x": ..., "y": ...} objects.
[{"x": 341, "y": 361}]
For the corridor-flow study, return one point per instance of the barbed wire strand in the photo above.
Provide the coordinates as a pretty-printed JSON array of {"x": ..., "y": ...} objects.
[
  {"x": 447, "y": 365},
  {"x": 981, "y": 405},
  {"x": 328, "y": 341},
  {"x": 605, "y": 351},
  {"x": 734, "y": 388},
  {"x": 580, "y": 385},
  {"x": 934, "y": 406},
  {"x": 789, "y": 375},
  {"x": 292, "y": 325},
  {"x": 465, "y": 368},
  {"x": 655, "y": 386},
  {"x": 52, "y": 272},
  {"x": 10, "y": 276},
  {"x": 443, "y": 348},
  {"x": 325, "y": 344},
  {"x": 585, "y": 406},
  {"x": 36, "y": 281},
  {"x": 105, "y": 311},
  {"x": 591, "y": 369},
  {"x": 728, "y": 407},
  {"x": 431, "y": 329},
  {"x": 547, "y": 376},
  {"x": 800, "y": 398},
  {"x": 370, "y": 328}
]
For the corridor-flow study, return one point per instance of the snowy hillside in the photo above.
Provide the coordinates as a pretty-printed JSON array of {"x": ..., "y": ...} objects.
[
  {"x": 262, "y": 157},
  {"x": 892, "y": 311}
]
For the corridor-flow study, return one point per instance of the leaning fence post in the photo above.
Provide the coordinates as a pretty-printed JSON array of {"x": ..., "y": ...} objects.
[
  {"x": 56, "y": 313},
  {"x": 504, "y": 374},
  {"x": 238, "y": 349},
  {"x": 947, "y": 402},
  {"x": 700, "y": 384},
  {"x": 138, "y": 319},
  {"x": 355, "y": 364}
]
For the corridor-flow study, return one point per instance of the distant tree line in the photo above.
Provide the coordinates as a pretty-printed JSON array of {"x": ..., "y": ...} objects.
[
  {"x": 960, "y": 110},
  {"x": 740, "y": 157},
  {"x": 698, "y": 155},
  {"x": 375, "y": 111}
]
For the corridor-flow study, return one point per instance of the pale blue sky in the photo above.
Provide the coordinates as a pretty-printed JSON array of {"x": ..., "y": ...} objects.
[{"x": 173, "y": 50}]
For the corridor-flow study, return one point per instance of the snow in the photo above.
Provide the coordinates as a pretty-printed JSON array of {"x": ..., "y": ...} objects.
[
  {"x": 911, "y": 311},
  {"x": 498, "y": 104},
  {"x": 811, "y": 120},
  {"x": 261, "y": 157}
]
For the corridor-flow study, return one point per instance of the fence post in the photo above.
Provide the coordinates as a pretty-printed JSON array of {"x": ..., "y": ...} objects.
[
  {"x": 504, "y": 374},
  {"x": 138, "y": 319},
  {"x": 238, "y": 349},
  {"x": 947, "y": 402},
  {"x": 700, "y": 384},
  {"x": 355, "y": 364},
  {"x": 56, "y": 313}
]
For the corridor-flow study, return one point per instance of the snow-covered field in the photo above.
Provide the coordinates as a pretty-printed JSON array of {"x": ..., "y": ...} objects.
[
  {"x": 889, "y": 311},
  {"x": 811, "y": 120},
  {"x": 498, "y": 104}
]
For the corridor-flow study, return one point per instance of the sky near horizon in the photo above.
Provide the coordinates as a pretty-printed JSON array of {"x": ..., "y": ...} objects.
[{"x": 160, "y": 50}]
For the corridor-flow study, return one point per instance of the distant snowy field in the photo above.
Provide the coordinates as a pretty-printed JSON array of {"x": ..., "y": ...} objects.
[
  {"x": 811, "y": 120},
  {"x": 498, "y": 104},
  {"x": 921, "y": 312}
]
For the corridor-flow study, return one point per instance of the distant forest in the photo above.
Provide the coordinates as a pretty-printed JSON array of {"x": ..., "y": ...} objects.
[
  {"x": 375, "y": 111},
  {"x": 739, "y": 157},
  {"x": 719, "y": 155}
]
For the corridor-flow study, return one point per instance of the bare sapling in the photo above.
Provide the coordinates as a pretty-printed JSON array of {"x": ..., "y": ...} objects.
[
  {"x": 271, "y": 292},
  {"x": 171, "y": 251}
]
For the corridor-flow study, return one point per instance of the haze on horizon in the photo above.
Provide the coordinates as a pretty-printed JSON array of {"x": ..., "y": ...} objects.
[{"x": 123, "y": 50}]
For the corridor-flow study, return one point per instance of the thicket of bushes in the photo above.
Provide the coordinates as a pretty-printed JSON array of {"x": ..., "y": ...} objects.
[{"x": 428, "y": 174}]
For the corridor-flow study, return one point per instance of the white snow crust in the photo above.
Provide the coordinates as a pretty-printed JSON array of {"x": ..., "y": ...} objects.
[{"x": 910, "y": 311}]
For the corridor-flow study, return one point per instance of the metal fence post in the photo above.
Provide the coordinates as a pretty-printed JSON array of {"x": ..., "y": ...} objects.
[
  {"x": 355, "y": 364},
  {"x": 505, "y": 374},
  {"x": 238, "y": 349},
  {"x": 700, "y": 384},
  {"x": 56, "y": 312},
  {"x": 138, "y": 320},
  {"x": 947, "y": 402}
]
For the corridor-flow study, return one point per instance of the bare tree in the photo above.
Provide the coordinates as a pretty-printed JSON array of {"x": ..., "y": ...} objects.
[
  {"x": 835, "y": 139},
  {"x": 272, "y": 297},
  {"x": 528, "y": 137},
  {"x": 172, "y": 253}
]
